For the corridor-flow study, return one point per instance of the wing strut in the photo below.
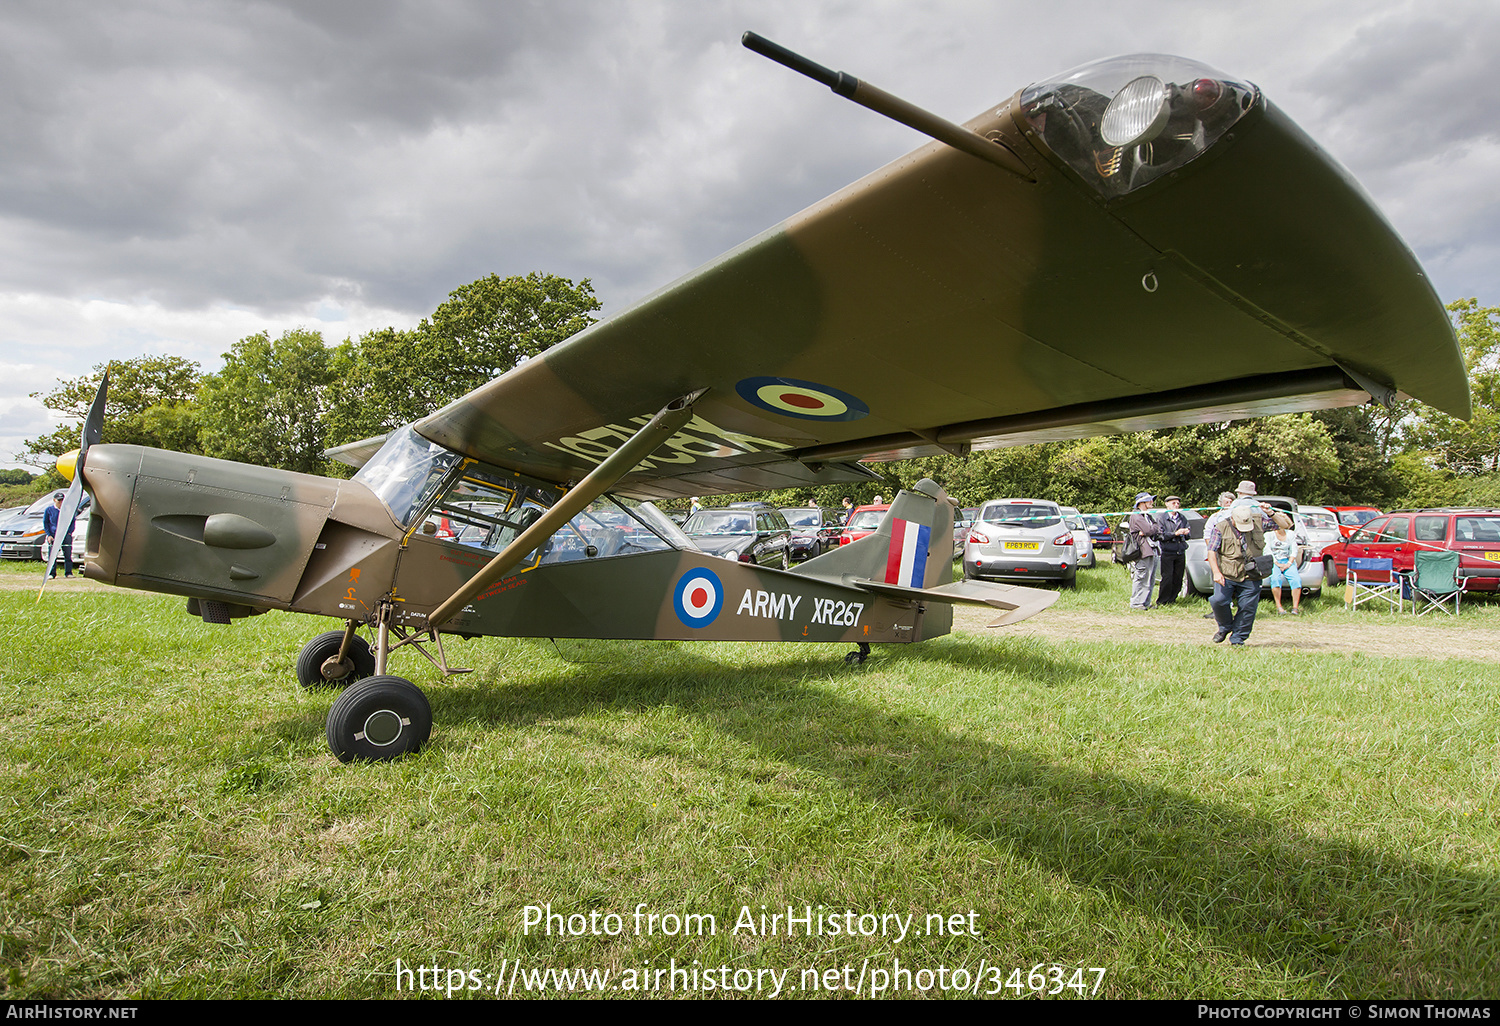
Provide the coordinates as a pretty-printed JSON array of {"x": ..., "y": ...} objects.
[
  {"x": 893, "y": 107},
  {"x": 643, "y": 443}
]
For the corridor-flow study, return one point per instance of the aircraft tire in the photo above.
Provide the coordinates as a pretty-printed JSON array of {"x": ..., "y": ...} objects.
[
  {"x": 380, "y": 718},
  {"x": 324, "y": 647}
]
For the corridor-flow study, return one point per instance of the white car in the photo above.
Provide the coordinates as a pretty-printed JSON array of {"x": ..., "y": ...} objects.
[
  {"x": 1021, "y": 540},
  {"x": 1321, "y": 527},
  {"x": 1081, "y": 537}
]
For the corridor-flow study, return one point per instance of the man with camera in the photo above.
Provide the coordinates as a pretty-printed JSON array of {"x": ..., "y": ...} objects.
[{"x": 1236, "y": 558}]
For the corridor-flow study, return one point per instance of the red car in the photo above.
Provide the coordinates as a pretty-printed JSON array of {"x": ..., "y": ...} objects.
[
  {"x": 1473, "y": 533},
  {"x": 1351, "y": 518},
  {"x": 862, "y": 520}
]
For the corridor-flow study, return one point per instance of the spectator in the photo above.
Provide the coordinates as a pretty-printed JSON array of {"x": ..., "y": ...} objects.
[
  {"x": 1173, "y": 531},
  {"x": 1234, "y": 544},
  {"x": 50, "y": 517},
  {"x": 1142, "y": 569},
  {"x": 1284, "y": 547},
  {"x": 1226, "y": 499}
]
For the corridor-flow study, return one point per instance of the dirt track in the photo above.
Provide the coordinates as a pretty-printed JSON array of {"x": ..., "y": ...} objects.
[{"x": 1332, "y": 630}]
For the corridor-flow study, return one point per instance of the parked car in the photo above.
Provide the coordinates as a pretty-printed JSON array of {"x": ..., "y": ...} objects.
[
  {"x": 751, "y": 534},
  {"x": 80, "y": 537},
  {"x": 1321, "y": 525},
  {"x": 1021, "y": 540},
  {"x": 21, "y": 536},
  {"x": 1081, "y": 537},
  {"x": 862, "y": 520},
  {"x": 814, "y": 530},
  {"x": 1473, "y": 533},
  {"x": 1099, "y": 533},
  {"x": 1351, "y": 518},
  {"x": 963, "y": 519}
]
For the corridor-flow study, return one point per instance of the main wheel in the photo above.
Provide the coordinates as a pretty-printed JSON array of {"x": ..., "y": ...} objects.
[
  {"x": 379, "y": 718},
  {"x": 359, "y": 662}
]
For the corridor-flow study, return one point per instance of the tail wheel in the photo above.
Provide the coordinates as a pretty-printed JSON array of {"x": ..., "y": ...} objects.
[
  {"x": 379, "y": 718},
  {"x": 315, "y": 671}
]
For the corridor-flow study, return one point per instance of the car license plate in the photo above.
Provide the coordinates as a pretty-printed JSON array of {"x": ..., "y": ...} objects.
[
  {"x": 1493, "y": 557},
  {"x": 1033, "y": 546}
]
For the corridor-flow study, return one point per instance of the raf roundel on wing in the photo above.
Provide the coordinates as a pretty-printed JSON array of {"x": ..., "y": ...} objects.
[
  {"x": 805, "y": 400},
  {"x": 698, "y": 597}
]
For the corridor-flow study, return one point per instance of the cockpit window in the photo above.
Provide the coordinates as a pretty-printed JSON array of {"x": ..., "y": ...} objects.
[
  {"x": 613, "y": 527},
  {"x": 406, "y": 473}
]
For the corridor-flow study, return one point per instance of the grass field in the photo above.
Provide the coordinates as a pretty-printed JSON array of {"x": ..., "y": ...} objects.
[{"x": 1194, "y": 822}]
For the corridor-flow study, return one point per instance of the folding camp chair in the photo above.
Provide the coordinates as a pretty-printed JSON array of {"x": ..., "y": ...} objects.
[
  {"x": 1373, "y": 580},
  {"x": 1436, "y": 583}
]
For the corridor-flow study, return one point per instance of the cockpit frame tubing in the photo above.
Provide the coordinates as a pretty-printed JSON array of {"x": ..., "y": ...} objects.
[{"x": 668, "y": 420}]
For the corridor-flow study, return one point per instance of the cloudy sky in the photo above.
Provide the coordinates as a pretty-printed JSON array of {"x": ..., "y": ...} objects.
[{"x": 176, "y": 175}]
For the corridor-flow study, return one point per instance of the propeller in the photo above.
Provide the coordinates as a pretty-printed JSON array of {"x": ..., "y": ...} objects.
[{"x": 93, "y": 428}]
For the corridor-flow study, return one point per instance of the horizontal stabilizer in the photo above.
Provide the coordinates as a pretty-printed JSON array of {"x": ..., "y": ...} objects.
[{"x": 1017, "y": 602}]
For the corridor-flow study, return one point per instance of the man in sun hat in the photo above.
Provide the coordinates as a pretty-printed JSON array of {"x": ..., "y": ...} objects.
[{"x": 1234, "y": 544}]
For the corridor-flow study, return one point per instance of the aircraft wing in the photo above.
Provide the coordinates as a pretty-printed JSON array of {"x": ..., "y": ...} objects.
[{"x": 1226, "y": 267}]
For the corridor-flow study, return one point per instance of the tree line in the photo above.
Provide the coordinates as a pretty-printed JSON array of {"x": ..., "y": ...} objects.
[{"x": 281, "y": 402}]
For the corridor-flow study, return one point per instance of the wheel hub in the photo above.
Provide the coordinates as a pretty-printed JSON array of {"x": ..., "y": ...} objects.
[
  {"x": 334, "y": 668},
  {"x": 382, "y": 727}
]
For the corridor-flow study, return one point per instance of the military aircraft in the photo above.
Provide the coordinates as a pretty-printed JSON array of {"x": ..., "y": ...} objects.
[{"x": 1140, "y": 242}]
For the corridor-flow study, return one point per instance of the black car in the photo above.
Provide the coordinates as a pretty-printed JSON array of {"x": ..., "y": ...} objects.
[
  {"x": 748, "y": 534},
  {"x": 814, "y": 530}
]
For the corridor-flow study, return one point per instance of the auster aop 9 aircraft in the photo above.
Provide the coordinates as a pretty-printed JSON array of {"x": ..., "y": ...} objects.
[{"x": 1138, "y": 243}]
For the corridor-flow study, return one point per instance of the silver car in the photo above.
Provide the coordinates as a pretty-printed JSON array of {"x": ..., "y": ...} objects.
[
  {"x": 1021, "y": 540},
  {"x": 1081, "y": 537}
]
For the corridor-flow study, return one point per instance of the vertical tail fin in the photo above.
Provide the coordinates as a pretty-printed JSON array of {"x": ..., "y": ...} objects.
[{"x": 913, "y": 546}]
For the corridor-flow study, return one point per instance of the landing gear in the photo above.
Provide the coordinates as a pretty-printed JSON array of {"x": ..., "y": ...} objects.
[
  {"x": 379, "y": 718},
  {"x": 858, "y": 658},
  {"x": 319, "y": 665}
]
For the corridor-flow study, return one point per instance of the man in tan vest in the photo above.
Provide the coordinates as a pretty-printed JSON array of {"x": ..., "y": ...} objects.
[{"x": 1234, "y": 543}]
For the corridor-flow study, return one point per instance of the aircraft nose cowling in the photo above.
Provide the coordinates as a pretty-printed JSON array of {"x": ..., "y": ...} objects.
[
  {"x": 190, "y": 525},
  {"x": 109, "y": 475}
]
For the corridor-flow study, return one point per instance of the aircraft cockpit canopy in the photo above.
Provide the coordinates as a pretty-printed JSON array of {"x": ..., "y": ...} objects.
[
  {"x": 407, "y": 472},
  {"x": 1123, "y": 122}
]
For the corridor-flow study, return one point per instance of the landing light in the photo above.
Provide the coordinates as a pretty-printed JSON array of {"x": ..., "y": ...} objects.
[{"x": 1137, "y": 114}]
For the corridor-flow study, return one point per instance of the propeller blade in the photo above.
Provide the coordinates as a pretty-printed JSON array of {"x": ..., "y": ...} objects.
[
  {"x": 93, "y": 424},
  {"x": 93, "y": 428}
]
